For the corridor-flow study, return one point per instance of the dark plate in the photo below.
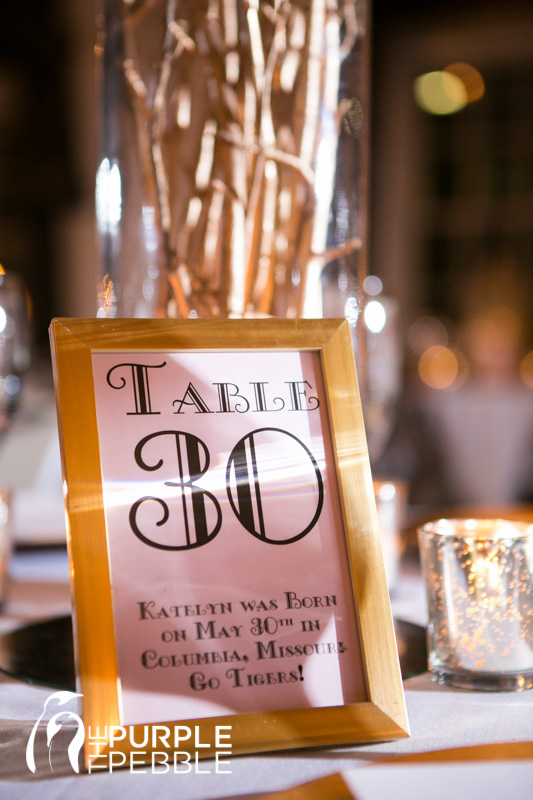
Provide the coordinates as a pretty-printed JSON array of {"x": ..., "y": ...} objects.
[
  {"x": 412, "y": 648},
  {"x": 40, "y": 653},
  {"x": 43, "y": 653}
]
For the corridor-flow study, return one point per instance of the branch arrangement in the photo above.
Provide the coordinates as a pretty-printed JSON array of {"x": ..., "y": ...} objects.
[{"x": 237, "y": 120}]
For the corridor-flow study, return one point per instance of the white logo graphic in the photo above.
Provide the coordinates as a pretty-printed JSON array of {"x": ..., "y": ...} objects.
[{"x": 53, "y": 727}]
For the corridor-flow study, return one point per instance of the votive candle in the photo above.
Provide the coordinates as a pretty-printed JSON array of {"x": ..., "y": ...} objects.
[{"x": 479, "y": 585}]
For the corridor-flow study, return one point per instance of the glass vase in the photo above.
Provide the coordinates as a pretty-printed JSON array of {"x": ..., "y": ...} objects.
[{"x": 232, "y": 175}]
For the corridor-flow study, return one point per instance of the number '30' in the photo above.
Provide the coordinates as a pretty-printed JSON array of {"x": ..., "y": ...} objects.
[{"x": 270, "y": 475}]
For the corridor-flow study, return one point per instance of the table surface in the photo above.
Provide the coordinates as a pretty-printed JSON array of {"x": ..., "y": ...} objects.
[{"x": 440, "y": 718}]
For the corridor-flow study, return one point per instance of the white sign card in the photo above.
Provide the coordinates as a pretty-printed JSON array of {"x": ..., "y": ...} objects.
[{"x": 230, "y": 584}]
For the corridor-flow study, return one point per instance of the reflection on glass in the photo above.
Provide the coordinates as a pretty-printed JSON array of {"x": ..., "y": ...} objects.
[
  {"x": 14, "y": 341},
  {"x": 384, "y": 364}
]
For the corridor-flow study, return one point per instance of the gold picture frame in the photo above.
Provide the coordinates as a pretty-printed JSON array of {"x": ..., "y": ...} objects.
[{"x": 377, "y": 716}]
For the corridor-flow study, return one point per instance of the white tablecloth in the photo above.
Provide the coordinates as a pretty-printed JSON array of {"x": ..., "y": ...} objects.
[{"x": 440, "y": 718}]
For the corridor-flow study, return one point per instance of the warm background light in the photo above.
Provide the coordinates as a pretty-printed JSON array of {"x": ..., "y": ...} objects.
[
  {"x": 442, "y": 367},
  {"x": 470, "y": 78},
  {"x": 440, "y": 92},
  {"x": 449, "y": 90}
]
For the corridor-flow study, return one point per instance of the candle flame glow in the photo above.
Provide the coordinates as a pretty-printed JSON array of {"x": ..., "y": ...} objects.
[{"x": 106, "y": 298}]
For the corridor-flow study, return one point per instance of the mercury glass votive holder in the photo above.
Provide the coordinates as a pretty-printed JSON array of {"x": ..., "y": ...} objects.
[{"x": 479, "y": 584}]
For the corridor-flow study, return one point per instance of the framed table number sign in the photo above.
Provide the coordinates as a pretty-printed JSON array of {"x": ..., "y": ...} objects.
[{"x": 228, "y": 586}]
